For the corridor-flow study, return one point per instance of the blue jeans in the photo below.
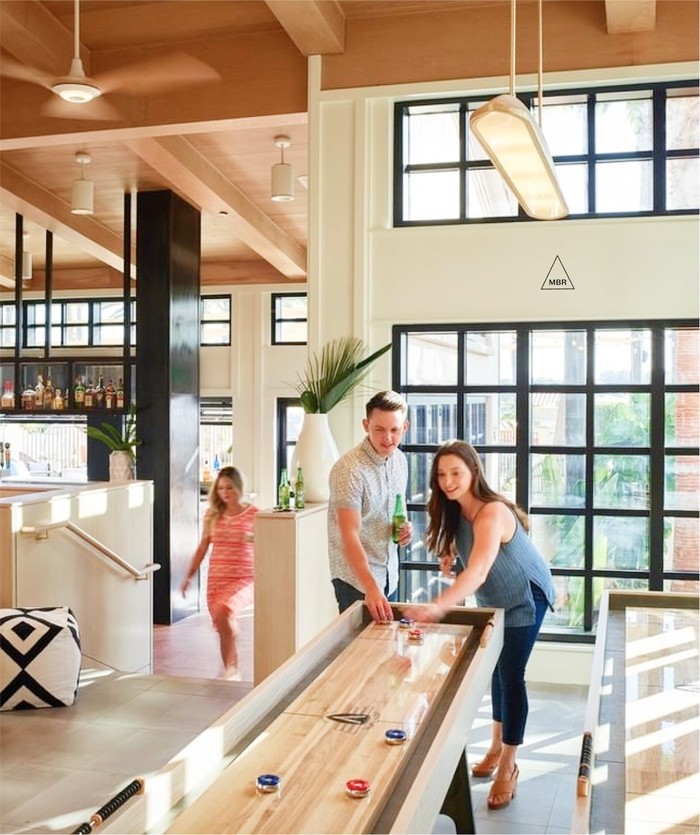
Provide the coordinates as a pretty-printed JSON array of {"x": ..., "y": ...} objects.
[
  {"x": 346, "y": 594},
  {"x": 508, "y": 691}
]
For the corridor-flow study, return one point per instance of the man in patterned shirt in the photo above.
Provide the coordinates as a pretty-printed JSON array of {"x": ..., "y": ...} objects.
[{"x": 363, "y": 487}]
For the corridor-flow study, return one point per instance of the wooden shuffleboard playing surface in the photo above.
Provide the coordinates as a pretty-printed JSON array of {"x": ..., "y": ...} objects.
[
  {"x": 431, "y": 690},
  {"x": 382, "y": 677},
  {"x": 643, "y": 718}
]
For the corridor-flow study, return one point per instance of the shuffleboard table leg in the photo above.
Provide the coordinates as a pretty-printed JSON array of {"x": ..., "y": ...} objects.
[{"x": 458, "y": 800}]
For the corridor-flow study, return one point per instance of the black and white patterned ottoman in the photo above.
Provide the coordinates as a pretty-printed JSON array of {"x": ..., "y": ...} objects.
[{"x": 39, "y": 657}]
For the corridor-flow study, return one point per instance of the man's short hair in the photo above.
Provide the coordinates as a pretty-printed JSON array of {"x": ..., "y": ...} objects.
[{"x": 387, "y": 401}]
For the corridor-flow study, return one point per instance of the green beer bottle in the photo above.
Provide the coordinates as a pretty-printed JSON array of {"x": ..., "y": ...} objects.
[
  {"x": 283, "y": 492},
  {"x": 398, "y": 520},
  {"x": 299, "y": 497}
]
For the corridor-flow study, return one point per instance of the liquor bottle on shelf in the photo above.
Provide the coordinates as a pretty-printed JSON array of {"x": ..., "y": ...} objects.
[
  {"x": 58, "y": 404},
  {"x": 398, "y": 520},
  {"x": 28, "y": 399},
  {"x": 8, "y": 396},
  {"x": 7, "y": 456},
  {"x": 120, "y": 394},
  {"x": 299, "y": 490},
  {"x": 39, "y": 391},
  {"x": 100, "y": 393},
  {"x": 89, "y": 395},
  {"x": 216, "y": 465},
  {"x": 79, "y": 393},
  {"x": 206, "y": 472},
  {"x": 49, "y": 391},
  {"x": 283, "y": 492},
  {"x": 110, "y": 396}
]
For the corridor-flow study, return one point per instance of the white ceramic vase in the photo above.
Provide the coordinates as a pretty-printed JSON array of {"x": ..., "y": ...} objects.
[
  {"x": 315, "y": 452},
  {"x": 121, "y": 466}
]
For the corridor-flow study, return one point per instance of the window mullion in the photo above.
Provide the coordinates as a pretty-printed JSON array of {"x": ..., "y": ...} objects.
[
  {"x": 657, "y": 461},
  {"x": 589, "y": 537}
]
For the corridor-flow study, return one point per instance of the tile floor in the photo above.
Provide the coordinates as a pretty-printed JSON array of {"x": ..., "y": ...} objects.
[{"x": 58, "y": 766}]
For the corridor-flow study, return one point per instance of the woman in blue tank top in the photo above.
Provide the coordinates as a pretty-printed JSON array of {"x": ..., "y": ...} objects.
[{"x": 487, "y": 534}]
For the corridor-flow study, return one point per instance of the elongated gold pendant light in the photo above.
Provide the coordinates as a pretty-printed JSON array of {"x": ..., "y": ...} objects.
[{"x": 515, "y": 144}]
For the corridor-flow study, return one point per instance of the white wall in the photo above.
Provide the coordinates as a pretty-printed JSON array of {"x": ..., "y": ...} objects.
[
  {"x": 254, "y": 373},
  {"x": 371, "y": 276}
]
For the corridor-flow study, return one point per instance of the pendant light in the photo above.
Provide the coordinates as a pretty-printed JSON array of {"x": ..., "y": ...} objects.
[
  {"x": 282, "y": 174},
  {"x": 82, "y": 199},
  {"x": 516, "y": 145},
  {"x": 26, "y": 257}
]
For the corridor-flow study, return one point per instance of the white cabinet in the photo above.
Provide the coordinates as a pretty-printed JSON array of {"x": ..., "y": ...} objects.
[{"x": 294, "y": 598}]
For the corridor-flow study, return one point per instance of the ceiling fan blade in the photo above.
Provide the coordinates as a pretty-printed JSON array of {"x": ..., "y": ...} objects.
[
  {"x": 97, "y": 109},
  {"x": 11, "y": 68},
  {"x": 157, "y": 75}
]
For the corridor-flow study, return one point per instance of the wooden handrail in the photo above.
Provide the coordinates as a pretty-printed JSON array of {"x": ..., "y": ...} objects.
[{"x": 42, "y": 532}]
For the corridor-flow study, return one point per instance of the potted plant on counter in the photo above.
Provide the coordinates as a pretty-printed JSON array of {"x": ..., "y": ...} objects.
[
  {"x": 122, "y": 445},
  {"x": 329, "y": 378}
]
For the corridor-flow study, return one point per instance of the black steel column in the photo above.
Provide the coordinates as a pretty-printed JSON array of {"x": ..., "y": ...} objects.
[{"x": 167, "y": 384}]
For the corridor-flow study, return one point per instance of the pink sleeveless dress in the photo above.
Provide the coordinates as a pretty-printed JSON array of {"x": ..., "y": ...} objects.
[{"x": 231, "y": 567}]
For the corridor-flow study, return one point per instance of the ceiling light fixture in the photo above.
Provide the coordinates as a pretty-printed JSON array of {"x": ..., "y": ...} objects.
[
  {"x": 516, "y": 145},
  {"x": 282, "y": 174},
  {"x": 76, "y": 86},
  {"x": 26, "y": 257},
  {"x": 82, "y": 199}
]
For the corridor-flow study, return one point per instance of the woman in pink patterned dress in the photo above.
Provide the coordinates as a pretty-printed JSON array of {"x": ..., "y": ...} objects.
[{"x": 228, "y": 531}]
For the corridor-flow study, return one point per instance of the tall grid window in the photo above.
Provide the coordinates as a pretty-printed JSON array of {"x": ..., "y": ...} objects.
[
  {"x": 617, "y": 151},
  {"x": 592, "y": 428},
  {"x": 289, "y": 420},
  {"x": 290, "y": 315}
]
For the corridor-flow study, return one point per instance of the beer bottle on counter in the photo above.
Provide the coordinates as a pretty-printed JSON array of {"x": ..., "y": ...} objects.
[
  {"x": 120, "y": 394},
  {"x": 89, "y": 395},
  {"x": 398, "y": 520},
  {"x": 299, "y": 490},
  {"x": 79, "y": 394},
  {"x": 283, "y": 492},
  {"x": 100, "y": 393},
  {"x": 110, "y": 396},
  {"x": 39, "y": 393}
]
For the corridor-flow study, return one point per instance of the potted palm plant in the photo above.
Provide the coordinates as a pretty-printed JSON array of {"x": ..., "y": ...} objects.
[
  {"x": 329, "y": 378},
  {"x": 122, "y": 445}
]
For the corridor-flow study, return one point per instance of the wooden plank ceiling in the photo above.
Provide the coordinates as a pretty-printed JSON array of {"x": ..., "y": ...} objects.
[{"x": 195, "y": 92}]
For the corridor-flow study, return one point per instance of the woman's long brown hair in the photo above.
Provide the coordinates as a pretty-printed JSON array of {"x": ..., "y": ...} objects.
[{"x": 444, "y": 513}]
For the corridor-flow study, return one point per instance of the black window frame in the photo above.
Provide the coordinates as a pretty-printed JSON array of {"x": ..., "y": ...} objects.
[
  {"x": 227, "y": 321},
  {"x": 658, "y": 154},
  {"x": 657, "y": 450},
  {"x": 276, "y": 320}
]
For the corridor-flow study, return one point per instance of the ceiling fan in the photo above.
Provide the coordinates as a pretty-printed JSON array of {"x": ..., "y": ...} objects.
[{"x": 156, "y": 75}]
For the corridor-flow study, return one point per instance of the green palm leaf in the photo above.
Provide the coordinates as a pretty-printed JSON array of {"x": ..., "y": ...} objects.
[{"x": 332, "y": 375}]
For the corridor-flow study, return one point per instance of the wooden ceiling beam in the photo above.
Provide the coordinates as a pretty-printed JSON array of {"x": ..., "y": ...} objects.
[
  {"x": 40, "y": 206},
  {"x": 191, "y": 175},
  {"x": 625, "y": 17},
  {"x": 317, "y": 27}
]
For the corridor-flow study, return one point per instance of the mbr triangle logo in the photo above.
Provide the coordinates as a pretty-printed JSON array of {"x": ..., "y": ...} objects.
[{"x": 557, "y": 277}]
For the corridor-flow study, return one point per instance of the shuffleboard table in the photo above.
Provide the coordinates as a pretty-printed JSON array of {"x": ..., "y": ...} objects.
[
  {"x": 639, "y": 769},
  {"x": 320, "y": 722}
]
